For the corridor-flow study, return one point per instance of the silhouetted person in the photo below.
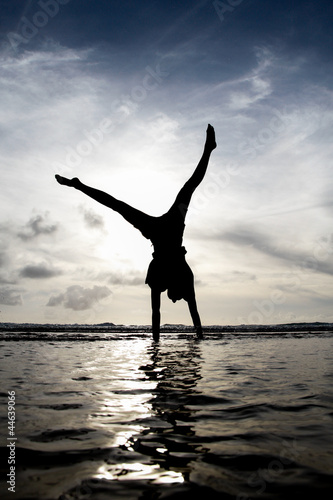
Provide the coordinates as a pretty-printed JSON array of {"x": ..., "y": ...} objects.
[{"x": 168, "y": 270}]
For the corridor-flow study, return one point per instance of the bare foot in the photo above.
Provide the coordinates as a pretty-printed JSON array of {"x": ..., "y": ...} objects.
[
  {"x": 210, "y": 139},
  {"x": 67, "y": 182}
]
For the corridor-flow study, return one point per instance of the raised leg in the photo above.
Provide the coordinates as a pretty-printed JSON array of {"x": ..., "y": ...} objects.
[
  {"x": 138, "y": 219},
  {"x": 184, "y": 196},
  {"x": 156, "y": 315}
]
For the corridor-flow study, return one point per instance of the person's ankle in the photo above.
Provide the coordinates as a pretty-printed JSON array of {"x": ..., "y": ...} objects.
[
  {"x": 76, "y": 183},
  {"x": 208, "y": 149}
]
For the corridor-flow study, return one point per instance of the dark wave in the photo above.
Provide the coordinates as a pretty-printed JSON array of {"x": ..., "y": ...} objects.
[{"x": 111, "y": 332}]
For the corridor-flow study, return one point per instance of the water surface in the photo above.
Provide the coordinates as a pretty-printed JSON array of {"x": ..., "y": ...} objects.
[{"x": 233, "y": 416}]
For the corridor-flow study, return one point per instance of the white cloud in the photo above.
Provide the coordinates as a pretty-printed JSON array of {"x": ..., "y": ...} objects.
[
  {"x": 92, "y": 219},
  {"x": 79, "y": 298},
  {"x": 132, "y": 278},
  {"x": 35, "y": 227}
]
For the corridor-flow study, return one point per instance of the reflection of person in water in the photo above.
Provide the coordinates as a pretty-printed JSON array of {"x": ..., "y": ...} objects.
[
  {"x": 168, "y": 270},
  {"x": 176, "y": 398}
]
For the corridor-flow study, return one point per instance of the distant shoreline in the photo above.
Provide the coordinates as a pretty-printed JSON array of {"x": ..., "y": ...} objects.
[{"x": 315, "y": 327}]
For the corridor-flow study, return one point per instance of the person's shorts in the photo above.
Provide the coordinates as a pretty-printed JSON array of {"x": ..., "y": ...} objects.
[{"x": 172, "y": 274}]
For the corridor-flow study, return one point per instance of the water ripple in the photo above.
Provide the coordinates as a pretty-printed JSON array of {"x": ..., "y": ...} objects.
[{"x": 172, "y": 419}]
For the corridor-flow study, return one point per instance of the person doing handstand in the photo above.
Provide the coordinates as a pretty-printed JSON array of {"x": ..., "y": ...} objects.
[{"x": 168, "y": 270}]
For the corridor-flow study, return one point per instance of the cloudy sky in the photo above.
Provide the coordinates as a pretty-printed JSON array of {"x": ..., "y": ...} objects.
[{"x": 119, "y": 94}]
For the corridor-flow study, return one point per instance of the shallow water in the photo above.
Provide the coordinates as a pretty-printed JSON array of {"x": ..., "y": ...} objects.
[{"x": 233, "y": 416}]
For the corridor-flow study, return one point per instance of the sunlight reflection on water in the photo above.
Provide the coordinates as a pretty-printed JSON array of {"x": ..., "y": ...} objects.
[{"x": 139, "y": 471}]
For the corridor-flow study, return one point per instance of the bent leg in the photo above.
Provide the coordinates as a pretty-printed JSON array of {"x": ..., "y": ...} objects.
[
  {"x": 184, "y": 196},
  {"x": 156, "y": 315},
  {"x": 138, "y": 219}
]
